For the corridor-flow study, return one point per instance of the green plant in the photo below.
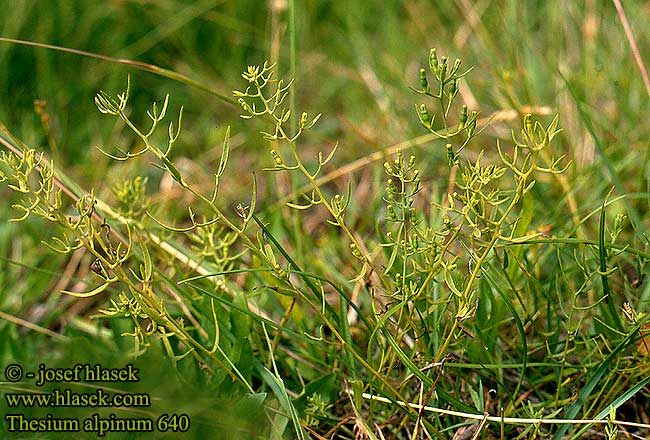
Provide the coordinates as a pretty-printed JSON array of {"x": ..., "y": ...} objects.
[{"x": 440, "y": 288}]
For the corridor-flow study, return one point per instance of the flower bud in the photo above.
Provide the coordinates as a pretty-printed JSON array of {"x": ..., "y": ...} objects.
[
  {"x": 411, "y": 163},
  {"x": 355, "y": 251},
  {"x": 456, "y": 66},
  {"x": 463, "y": 117},
  {"x": 391, "y": 213},
  {"x": 424, "y": 83},
  {"x": 471, "y": 126},
  {"x": 452, "y": 156},
  {"x": 528, "y": 123},
  {"x": 453, "y": 89},
  {"x": 433, "y": 60},
  {"x": 276, "y": 158},
  {"x": 338, "y": 202},
  {"x": 399, "y": 160},
  {"x": 424, "y": 116},
  {"x": 442, "y": 72}
]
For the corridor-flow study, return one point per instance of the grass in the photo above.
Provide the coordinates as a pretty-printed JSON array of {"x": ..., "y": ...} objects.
[{"x": 390, "y": 246}]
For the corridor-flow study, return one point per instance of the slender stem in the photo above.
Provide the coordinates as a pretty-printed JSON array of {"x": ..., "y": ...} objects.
[
  {"x": 466, "y": 295},
  {"x": 136, "y": 64},
  {"x": 633, "y": 45}
]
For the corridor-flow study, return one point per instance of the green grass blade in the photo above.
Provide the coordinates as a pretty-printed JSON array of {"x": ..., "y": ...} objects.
[
  {"x": 167, "y": 73},
  {"x": 602, "y": 254},
  {"x": 615, "y": 404},
  {"x": 586, "y": 391}
]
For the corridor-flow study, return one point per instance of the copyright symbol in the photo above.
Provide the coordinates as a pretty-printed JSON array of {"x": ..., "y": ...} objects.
[{"x": 13, "y": 373}]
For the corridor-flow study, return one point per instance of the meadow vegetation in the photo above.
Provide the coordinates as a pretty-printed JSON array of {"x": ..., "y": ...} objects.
[{"x": 334, "y": 219}]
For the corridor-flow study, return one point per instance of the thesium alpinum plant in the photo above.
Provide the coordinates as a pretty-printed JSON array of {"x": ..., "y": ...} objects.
[{"x": 449, "y": 314}]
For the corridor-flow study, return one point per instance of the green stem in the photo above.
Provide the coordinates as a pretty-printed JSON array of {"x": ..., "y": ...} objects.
[
  {"x": 294, "y": 123},
  {"x": 602, "y": 253},
  {"x": 466, "y": 296}
]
